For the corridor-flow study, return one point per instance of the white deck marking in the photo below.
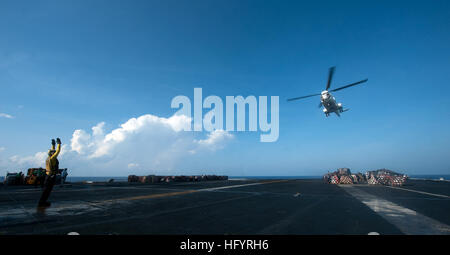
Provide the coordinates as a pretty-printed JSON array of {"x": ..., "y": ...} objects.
[
  {"x": 240, "y": 185},
  {"x": 420, "y": 192},
  {"x": 406, "y": 220}
]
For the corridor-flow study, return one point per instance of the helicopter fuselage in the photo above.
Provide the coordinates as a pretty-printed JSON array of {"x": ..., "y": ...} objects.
[{"x": 329, "y": 104}]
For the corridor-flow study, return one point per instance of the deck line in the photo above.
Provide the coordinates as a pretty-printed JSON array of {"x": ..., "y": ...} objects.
[
  {"x": 420, "y": 192},
  {"x": 406, "y": 220}
]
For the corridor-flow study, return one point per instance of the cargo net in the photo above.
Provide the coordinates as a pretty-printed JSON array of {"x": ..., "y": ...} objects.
[{"x": 377, "y": 177}]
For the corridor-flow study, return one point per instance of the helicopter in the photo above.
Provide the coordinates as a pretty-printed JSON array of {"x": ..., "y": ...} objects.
[{"x": 327, "y": 100}]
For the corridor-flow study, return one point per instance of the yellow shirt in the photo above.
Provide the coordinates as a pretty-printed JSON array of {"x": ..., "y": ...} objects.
[{"x": 52, "y": 164}]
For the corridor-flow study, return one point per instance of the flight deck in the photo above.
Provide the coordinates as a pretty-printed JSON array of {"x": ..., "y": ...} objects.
[{"x": 291, "y": 206}]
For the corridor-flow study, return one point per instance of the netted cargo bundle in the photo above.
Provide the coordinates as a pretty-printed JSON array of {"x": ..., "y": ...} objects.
[
  {"x": 361, "y": 178},
  {"x": 372, "y": 180},
  {"x": 334, "y": 179},
  {"x": 398, "y": 180},
  {"x": 386, "y": 177},
  {"x": 343, "y": 171},
  {"x": 355, "y": 178},
  {"x": 343, "y": 176},
  {"x": 345, "y": 179}
]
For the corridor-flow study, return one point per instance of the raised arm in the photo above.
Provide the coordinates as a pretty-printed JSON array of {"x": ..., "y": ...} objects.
[{"x": 58, "y": 148}]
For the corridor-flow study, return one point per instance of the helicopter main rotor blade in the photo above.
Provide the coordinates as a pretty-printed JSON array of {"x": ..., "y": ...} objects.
[
  {"x": 330, "y": 76},
  {"x": 349, "y": 85},
  {"x": 297, "y": 98}
]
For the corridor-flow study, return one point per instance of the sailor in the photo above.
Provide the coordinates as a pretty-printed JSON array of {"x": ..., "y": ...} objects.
[{"x": 51, "y": 166}]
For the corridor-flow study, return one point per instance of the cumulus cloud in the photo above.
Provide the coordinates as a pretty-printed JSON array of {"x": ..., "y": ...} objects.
[
  {"x": 215, "y": 139},
  {"x": 142, "y": 145},
  {"x": 145, "y": 143},
  {"x": 144, "y": 132},
  {"x": 4, "y": 115},
  {"x": 36, "y": 160}
]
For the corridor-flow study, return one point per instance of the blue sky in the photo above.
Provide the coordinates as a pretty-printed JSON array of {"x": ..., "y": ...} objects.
[{"x": 67, "y": 65}]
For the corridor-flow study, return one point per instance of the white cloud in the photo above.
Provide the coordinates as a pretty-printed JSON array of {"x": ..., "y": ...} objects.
[
  {"x": 37, "y": 160},
  {"x": 4, "y": 115},
  {"x": 97, "y": 130},
  {"x": 133, "y": 166},
  {"x": 215, "y": 139},
  {"x": 143, "y": 145},
  {"x": 2, "y": 149},
  {"x": 80, "y": 140},
  {"x": 150, "y": 127}
]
